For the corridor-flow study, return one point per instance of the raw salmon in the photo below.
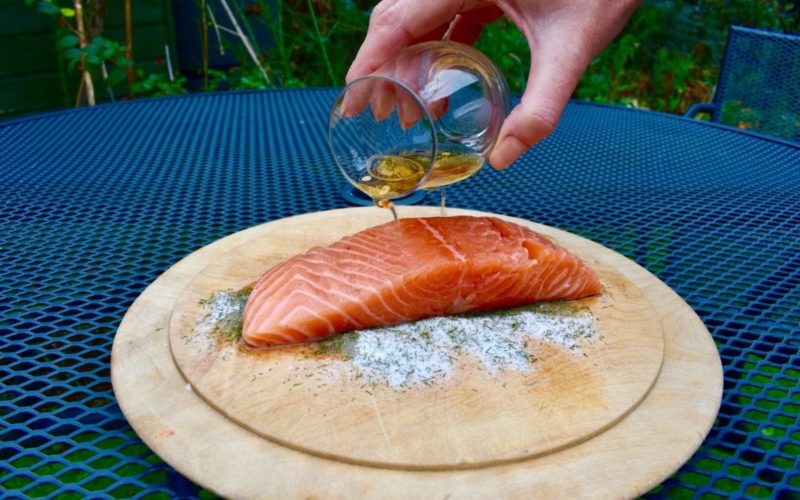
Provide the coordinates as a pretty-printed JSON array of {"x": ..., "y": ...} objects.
[{"x": 413, "y": 269}]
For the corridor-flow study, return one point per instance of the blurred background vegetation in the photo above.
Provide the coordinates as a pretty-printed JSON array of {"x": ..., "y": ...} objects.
[{"x": 666, "y": 59}]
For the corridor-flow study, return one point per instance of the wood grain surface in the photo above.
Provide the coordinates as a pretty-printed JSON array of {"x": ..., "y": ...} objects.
[
  {"x": 624, "y": 460},
  {"x": 472, "y": 420}
]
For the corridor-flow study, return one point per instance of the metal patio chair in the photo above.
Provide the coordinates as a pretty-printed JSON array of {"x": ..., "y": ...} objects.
[{"x": 759, "y": 84}]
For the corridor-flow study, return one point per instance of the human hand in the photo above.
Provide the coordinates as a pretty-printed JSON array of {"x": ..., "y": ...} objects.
[{"x": 564, "y": 36}]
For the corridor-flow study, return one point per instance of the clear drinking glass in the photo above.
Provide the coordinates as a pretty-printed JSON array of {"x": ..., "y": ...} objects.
[{"x": 425, "y": 119}]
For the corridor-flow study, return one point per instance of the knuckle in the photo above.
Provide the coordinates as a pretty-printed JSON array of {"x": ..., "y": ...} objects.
[
  {"x": 383, "y": 18},
  {"x": 547, "y": 121},
  {"x": 539, "y": 124},
  {"x": 392, "y": 19}
]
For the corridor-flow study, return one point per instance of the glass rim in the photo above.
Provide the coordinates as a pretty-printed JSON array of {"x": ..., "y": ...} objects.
[{"x": 426, "y": 116}]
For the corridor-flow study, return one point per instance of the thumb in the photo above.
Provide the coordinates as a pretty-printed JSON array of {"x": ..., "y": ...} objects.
[{"x": 553, "y": 77}]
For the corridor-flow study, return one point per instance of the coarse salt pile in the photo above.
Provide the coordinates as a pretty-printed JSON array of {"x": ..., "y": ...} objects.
[
  {"x": 426, "y": 351},
  {"x": 223, "y": 314}
]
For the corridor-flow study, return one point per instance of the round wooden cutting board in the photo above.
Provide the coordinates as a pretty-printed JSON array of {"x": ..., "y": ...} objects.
[
  {"x": 473, "y": 420},
  {"x": 249, "y": 423}
]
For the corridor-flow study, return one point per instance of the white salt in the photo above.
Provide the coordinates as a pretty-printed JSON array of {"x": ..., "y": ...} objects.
[
  {"x": 224, "y": 307},
  {"x": 426, "y": 351}
]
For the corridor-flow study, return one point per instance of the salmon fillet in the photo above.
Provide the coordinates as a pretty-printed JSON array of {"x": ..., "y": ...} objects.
[{"x": 414, "y": 269}]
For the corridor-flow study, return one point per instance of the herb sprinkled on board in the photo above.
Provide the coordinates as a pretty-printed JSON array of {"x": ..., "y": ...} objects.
[
  {"x": 223, "y": 314},
  {"x": 425, "y": 352}
]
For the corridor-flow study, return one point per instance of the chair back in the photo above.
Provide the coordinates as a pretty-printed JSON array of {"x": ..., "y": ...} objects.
[{"x": 759, "y": 83}]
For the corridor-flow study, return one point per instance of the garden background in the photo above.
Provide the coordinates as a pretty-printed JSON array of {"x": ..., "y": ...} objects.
[{"x": 63, "y": 53}]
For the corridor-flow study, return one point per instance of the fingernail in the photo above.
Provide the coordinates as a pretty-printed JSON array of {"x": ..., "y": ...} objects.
[
  {"x": 345, "y": 108},
  {"x": 382, "y": 106},
  {"x": 506, "y": 152},
  {"x": 409, "y": 114},
  {"x": 379, "y": 112}
]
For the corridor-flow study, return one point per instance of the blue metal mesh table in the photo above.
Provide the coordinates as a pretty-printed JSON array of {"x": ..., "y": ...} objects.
[{"x": 96, "y": 203}]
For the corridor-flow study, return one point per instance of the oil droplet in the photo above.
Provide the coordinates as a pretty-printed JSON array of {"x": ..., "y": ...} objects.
[{"x": 388, "y": 204}]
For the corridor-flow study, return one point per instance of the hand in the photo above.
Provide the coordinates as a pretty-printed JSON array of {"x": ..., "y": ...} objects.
[{"x": 564, "y": 36}]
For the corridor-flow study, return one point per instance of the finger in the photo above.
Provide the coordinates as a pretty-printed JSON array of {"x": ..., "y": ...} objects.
[
  {"x": 382, "y": 100},
  {"x": 408, "y": 109},
  {"x": 380, "y": 7},
  {"x": 467, "y": 27},
  {"x": 463, "y": 31},
  {"x": 398, "y": 26},
  {"x": 436, "y": 34},
  {"x": 555, "y": 71},
  {"x": 438, "y": 108},
  {"x": 405, "y": 71},
  {"x": 356, "y": 97}
]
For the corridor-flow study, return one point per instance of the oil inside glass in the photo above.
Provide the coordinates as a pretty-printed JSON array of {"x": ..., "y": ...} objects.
[{"x": 399, "y": 174}]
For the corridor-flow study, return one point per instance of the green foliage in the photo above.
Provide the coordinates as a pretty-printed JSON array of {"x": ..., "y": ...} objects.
[
  {"x": 97, "y": 52},
  {"x": 315, "y": 41},
  {"x": 50, "y": 8},
  {"x": 306, "y": 26},
  {"x": 100, "y": 56},
  {"x": 668, "y": 55},
  {"x": 507, "y": 48},
  {"x": 158, "y": 84},
  {"x": 238, "y": 78},
  {"x": 666, "y": 58}
]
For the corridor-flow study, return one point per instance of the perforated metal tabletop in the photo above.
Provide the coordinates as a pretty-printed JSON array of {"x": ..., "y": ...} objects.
[{"x": 96, "y": 203}]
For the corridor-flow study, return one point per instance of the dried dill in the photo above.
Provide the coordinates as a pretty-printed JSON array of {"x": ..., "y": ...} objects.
[
  {"x": 336, "y": 345},
  {"x": 425, "y": 352},
  {"x": 223, "y": 314}
]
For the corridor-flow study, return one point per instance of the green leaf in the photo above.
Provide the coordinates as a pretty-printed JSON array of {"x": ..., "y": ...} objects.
[
  {"x": 71, "y": 64},
  {"x": 67, "y": 12},
  {"x": 115, "y": 77},
  {"x": 93, "y": 60},
  {"x": 93, "y": 48},
  {"x": 68, "y": 41},
  {"x": 112, "y": 49},
  {"x": 145, "y": 86},
  {"x": 48, "y": 8},
  {"x": 73, "y": 53}
]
